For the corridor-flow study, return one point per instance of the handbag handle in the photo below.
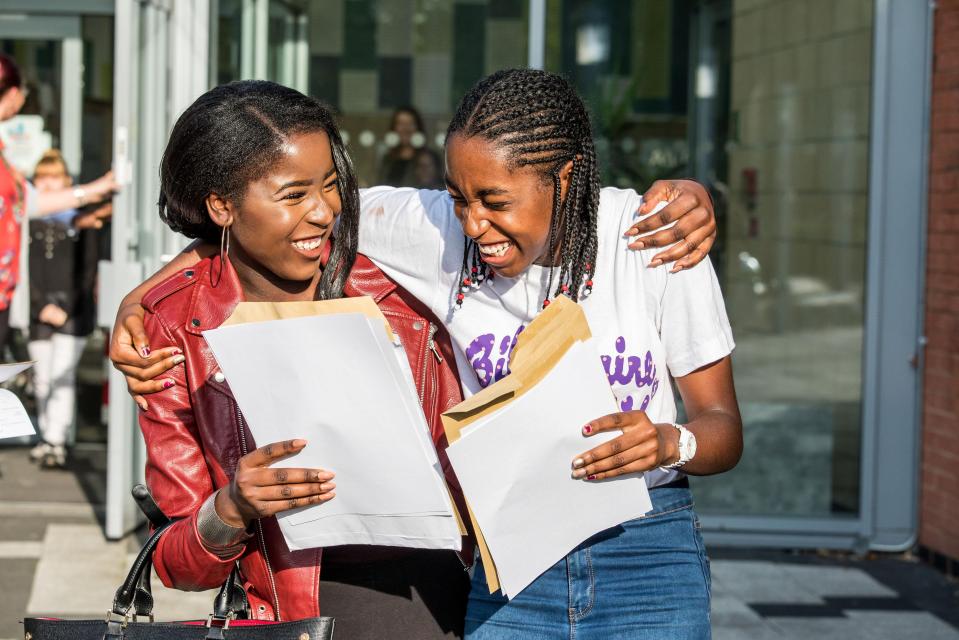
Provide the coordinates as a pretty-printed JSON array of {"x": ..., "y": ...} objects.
[
  {"x": 136, "y": 590},
  {"x": 136, "y": 593}
]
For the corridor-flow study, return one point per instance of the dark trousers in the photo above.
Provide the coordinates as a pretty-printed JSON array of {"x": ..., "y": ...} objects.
[
  {"x": 420, "y": 594},
  {"x": 4, "y": 330}
]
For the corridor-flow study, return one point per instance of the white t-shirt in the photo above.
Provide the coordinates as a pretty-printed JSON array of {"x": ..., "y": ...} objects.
[{"x": 648, "y": 323}]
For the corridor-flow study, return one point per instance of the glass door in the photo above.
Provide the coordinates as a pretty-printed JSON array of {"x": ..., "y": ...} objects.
[{"x": 773, "y": 105}]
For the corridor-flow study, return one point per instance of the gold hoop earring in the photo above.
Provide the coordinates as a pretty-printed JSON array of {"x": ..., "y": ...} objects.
[{"x": 224, "y": 243}]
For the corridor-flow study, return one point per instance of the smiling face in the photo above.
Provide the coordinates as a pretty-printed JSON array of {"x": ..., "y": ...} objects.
[
  {"x": 279, "y": 227},
  {"x": 505, "y": 211}
]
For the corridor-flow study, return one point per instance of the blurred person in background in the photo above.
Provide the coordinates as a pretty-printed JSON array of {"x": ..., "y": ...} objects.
[
  {"x": 19, "y": 199},
  {"x": 63, "y": 264},
  {"x": 427, "y": 170},
  {"x": 405, "y": 138}
]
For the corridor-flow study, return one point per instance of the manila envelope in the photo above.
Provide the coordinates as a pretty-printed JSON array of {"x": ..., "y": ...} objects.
[
  {"x": 263, "y": 311},
  {"x": 538, "y": 348}
]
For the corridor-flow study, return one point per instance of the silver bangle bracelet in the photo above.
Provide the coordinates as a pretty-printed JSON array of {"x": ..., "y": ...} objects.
[{"x": 213, "y": 531}]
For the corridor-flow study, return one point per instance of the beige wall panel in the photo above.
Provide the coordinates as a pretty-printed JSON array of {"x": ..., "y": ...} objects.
[
  {"x": 358, "y": 91},
  {"x": 394, "y": 27},
  {"x": 326, "y": 27}
]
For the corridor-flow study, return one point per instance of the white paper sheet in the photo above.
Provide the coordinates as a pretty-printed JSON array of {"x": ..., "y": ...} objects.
[
  {"x": 7, "y": 371},
  {"x": 14, "y": 421},
  {"x": 532, "y": 513},
  {"x": 338, "y": 382}
]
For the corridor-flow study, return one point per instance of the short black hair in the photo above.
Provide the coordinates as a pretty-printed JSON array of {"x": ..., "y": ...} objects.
[
  {"x": 229, "y": 137},
  {"x": 539, "y": 120}
]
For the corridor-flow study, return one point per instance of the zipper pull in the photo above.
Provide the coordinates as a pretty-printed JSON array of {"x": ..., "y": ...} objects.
[{"x": 431, "y": 344}]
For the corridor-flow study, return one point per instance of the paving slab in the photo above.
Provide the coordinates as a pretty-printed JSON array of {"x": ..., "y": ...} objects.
[
  {"x": 836, "y": 581},
  {"x": 78, "y": 554}
]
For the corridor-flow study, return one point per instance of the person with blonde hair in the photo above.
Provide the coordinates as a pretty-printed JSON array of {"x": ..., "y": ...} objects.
[{"x": 62, "y": 274}]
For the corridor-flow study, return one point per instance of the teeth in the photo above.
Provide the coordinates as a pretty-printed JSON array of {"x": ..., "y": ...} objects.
[
  {"x": 308, "y": 245},
  {"x": 494, "y": 249}
]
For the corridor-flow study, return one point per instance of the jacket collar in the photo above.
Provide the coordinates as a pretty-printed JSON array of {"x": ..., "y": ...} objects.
[
  {"x": 218, "y": 289},
  {"x": 215, "y": 297}
]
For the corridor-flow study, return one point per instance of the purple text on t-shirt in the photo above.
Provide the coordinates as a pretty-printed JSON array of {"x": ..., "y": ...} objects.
[{"x": 488, "y": 355}]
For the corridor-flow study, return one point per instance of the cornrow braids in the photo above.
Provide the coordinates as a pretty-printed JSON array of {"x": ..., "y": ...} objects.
[{"x": 539, "y": 119}]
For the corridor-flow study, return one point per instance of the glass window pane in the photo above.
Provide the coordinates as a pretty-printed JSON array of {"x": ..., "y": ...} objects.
[
  {"x": 768, "y": 103},
  {"x": 368, "y": 58}
]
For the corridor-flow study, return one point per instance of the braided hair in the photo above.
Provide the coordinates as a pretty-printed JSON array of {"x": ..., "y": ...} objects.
[{"x": 540, "y": 121}]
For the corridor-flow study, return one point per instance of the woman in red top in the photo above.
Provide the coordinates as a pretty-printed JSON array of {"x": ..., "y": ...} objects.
[
  {"x": 12, "y": 194},
  {"x": 16, "y": 194}
]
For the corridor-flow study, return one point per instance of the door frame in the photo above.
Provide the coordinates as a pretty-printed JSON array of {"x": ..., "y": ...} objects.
[
  {"x": 893, "y": 333},
  {"x": 67, "y": 30}
]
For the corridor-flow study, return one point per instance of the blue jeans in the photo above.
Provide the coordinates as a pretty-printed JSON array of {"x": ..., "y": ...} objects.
[{"x": 647, "y": 578}]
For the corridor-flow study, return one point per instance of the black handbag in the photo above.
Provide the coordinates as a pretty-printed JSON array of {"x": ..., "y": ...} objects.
[{"x": 229, "y": 619}]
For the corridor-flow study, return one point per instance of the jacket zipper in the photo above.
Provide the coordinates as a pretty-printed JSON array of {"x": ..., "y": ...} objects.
[
  {"x": 426, "y": 364},
  {"x": 431, "y": 345},
  {"x": 259, "y": 525}
]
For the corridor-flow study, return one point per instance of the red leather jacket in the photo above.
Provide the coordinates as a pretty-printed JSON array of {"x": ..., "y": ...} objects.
[{"x": 195, "y": 433}]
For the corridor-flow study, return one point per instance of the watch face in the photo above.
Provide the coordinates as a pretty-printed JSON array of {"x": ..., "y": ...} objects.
[{"x": 687, "y": 445}]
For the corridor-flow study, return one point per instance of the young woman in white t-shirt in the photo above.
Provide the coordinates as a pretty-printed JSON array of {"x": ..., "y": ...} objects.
[{"x": 523, "y": 221}]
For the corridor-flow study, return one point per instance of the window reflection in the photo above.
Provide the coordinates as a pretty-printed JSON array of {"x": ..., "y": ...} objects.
[{"x": 765, "y": 101}]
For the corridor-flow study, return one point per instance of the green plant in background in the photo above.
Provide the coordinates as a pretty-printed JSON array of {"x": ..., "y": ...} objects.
[{"x": 627, "y": 158}]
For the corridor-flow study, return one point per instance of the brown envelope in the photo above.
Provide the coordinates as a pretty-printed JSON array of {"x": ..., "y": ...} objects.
[
  {"x": 538, "y": 348},
  {"x": 263, "y": 311}
]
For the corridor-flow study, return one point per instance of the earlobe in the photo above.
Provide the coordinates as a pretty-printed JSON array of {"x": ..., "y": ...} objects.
[
  {"x": 220, "y": 210},
  {"x": 565, "y": 176}
]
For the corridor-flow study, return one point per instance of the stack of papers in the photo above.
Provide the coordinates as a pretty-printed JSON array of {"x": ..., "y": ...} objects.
[
  {"x": 342, "y": 383},
  {"x": 513, "y": 457},
  {"x": 14, "y": 422}
]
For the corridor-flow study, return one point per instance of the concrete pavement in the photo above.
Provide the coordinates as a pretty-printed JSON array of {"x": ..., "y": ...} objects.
[{"x": 55, "y": 561}]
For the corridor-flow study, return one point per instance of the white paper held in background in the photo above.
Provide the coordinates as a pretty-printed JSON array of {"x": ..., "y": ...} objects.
[{"x": 14, "y": 421}]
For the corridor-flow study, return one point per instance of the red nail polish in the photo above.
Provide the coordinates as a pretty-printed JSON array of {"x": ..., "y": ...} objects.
[
  {"x": 145, "y": 352},
  {"x": 177, "y": 352},
  {"x": 168, "y": 383},
  {"x": 588, "y": 429},
  {"x": 592, "y": 477}
]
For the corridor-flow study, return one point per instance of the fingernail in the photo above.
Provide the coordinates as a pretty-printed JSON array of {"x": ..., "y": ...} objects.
[
  {"x": 579, "y": 473},
  {"x": 578, "y": 462},
  {"x": 179, "y": 359},
  {"x": 631, "y": 232},
  {"x": 177, "y": 352},
  {"x": 676, "y": 269},
  {"x": 590, "y": 477},
  {"x": 168, "y": 383},
  {"x": 655, "y": 263},
  {"x": 588, "y": 428},
  {"x": 299, "y": 442},
  {"x": 145, "y": 352},
  {"x": 143, "y": 405},
  {"x": 639, "y": 244}
]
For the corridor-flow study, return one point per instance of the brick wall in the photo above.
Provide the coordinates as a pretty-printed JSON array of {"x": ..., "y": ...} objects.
[{"x": 939, "y": 517}]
